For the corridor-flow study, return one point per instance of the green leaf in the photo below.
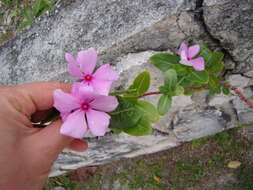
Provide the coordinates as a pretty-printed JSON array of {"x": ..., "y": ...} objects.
[
  {"x": 186, "y": 83},
  {"x": 142, "y": 128},
  {"x": 141, "y": 84},
  {"x": 198, "y": 76},
  {"x": 149, "y": 110},
  {"x": 164, "y": 104},
  {"x": 164, "y": 61},
  {"x": 117, "y": 130},
  {"x": 205, "y": 52},
  {"x": 170, "y": 79},
  {"x": 126, "y": 114},
  {"x": 215, "y": 62},
  {"x": 226, "y": 91},
  {"x": 190, "y": 92},
  {"x": 179, "y": 90},
  {"x": 164, "y": 90},
  {"x": 214, "y": 85},
  {"x": 181, "y": 70}
]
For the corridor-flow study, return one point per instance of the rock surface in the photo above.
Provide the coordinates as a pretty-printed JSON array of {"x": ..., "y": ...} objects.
[
  {"x": 126, "y": 33},
  {"x": 230, "y": 23}
]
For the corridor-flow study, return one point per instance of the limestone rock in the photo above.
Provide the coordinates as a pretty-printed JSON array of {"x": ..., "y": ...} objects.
[
  {"x": 196, "y": 124},
  {"x": 230, "y": 22},
  {"x": 126, "y": 33}
]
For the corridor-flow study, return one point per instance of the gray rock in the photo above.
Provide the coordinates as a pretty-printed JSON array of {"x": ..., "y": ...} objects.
[
  {"x": 230, "y": 22},
  {"x": 196, "y": 124},
  {"x": 249, "y": 74},
  {"x": 238, "y": 81},
  {"x": 244, "y": 113},
  {"x": 37, "y": 54},
  {"x": 126, "y": 33}
]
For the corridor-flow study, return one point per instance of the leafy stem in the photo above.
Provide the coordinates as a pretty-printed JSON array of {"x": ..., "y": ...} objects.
[
  {"x": 224, "y": 84},
  {"x": 119, "y": 92}
]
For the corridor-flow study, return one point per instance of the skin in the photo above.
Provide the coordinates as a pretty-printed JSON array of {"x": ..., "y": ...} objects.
[{"x": 27, "y": 153}]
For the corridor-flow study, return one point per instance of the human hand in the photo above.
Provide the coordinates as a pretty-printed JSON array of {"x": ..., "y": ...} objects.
[{"x": 27, "y": 153}]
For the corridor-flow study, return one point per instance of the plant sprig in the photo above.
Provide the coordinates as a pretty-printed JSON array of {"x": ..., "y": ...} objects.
[{"x": 134, "y": 115}]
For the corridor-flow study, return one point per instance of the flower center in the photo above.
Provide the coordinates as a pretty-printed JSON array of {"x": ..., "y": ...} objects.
[
  {"x": 87, "y": 77},
  {"x": 85, "y": 107}
]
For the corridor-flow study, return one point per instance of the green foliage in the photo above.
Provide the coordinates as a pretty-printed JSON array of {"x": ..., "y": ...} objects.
[
  {"x": 140, "y": 85},
  {"x": 164, "y": 104},
  {"x": 214, "y": 85},
  {"x": 149, "y": 110},
  {"x": 198, "y": 76},
  {"x": 170, "y": 79},
  {"x": 164, "y": 61},
  {"x": 226, "y": 91},
  {"x": 141, "y": 128},
  {"x": 38, "y": 8},
  {"x": 133, "y": 117}
]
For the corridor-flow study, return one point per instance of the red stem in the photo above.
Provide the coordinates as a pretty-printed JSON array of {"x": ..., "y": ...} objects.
[
  {"x": 150, "y": 93},
  {"x": 237, "y": 92}
]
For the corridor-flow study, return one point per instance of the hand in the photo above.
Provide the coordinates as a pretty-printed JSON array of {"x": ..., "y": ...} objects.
[{"x": 27, "y": 153}]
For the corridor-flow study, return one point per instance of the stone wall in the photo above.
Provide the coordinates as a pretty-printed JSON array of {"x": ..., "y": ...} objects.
[{"x": 126, "y": 33}]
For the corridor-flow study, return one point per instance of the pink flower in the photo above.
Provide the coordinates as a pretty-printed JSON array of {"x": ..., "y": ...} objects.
[
  {"x": 187, "y": 53},
  {"x": 83, "y": 110},
  {"x": 83, "y": 67}
]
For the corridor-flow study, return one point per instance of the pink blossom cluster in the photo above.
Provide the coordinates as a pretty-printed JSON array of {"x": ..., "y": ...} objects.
[{"x": 84, "y": 108}]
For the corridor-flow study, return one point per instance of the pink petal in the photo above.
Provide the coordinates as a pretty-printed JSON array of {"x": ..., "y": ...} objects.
[
  {"x": 64, "y": 116},
  {"x": 79, "y": 89},
  {"x": 98, "y": 122},
  {"x": 183, "y": 47},
  {"x": 87, "y": 60},
  {"x": 186, "y": 62},
  {"x": 101, "y": 86},
  {"x": 198, "y": 63},
  {"x": 75, "y": 125},
  {"x": 183, "y": 56},
  {"x": 75, "y": 88},
  {"x": 104, "y": 103},
  {"x": 87, "y": 93},
  {"x": 106, "y": 72},
  {"x": 65, "y": 102},
  {"x": 73, "y": 67},
  {"x": 193, "y": 51}
]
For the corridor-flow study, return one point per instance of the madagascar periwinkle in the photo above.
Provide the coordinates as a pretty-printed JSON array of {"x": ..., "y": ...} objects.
[{"x": 91, "y": 107}]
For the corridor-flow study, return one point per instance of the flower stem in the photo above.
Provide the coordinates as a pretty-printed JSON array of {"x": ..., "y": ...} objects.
[
  {"x": 239, "y": 94},
  {"x": 118, "y": 92},
  {"x": 186, "y": 89},
  {"x": 225, "y": 85}
]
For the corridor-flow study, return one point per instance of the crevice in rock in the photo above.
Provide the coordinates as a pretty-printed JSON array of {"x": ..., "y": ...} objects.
[
  {"x": 234, "y": 109},
  {"x": 178, "y": 25},
  {"x": 199, "y": 16},
  {"x": 161, "y": 133}
]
